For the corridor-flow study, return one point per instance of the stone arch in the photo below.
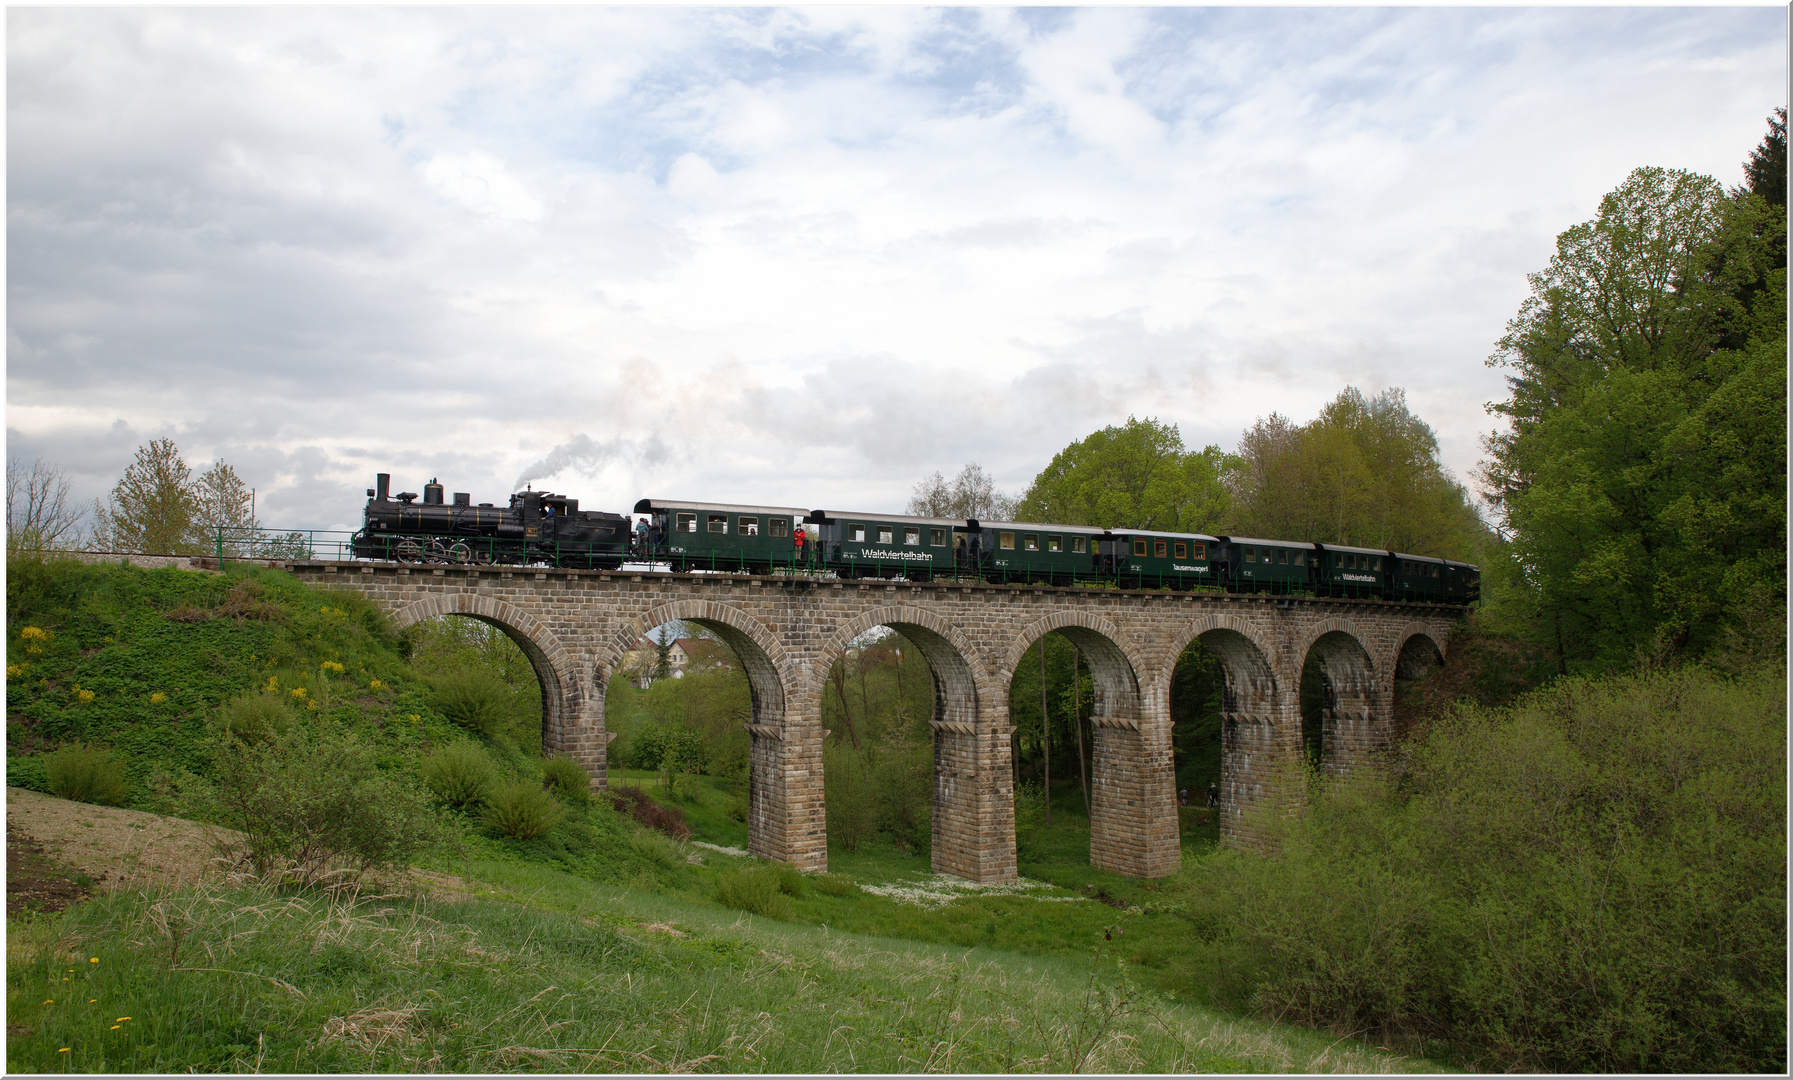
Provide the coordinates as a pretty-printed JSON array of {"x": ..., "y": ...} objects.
[
  {"x": 1255, "y": 717},
  {"x": 1353, "y": 716},
  {"x": 761, "y": 654},
  {"x": 1116, "y": 661},
  {"x": 960, "y": 680},
  {"x": 1417, "y": 651},
  {"x": 973, "y": 791},
  {"x": 1132, "y": 785},
  {"x": 562, "y": 697},
  {"x": 785, "y": 819}
]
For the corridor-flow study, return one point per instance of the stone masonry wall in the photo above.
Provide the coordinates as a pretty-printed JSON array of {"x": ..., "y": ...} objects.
[{"x": 576, "y": 625}]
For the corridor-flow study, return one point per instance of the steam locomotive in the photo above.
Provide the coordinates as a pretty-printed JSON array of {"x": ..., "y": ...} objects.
[
  {"x": 542, "y": 528},
  {"x": 537, "y": 527}
]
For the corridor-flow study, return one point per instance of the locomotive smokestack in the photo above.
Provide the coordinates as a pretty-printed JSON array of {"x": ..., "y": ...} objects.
[{"x": 382, "y": 482}]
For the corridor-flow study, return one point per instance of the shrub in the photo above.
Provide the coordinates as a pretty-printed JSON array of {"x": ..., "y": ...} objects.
[
  {"x": 314, "y": 804},
  {"x": 254, "y": 716},
  {"x": 86, "y": 773},
  {"x": 903, "y": 779},
  {"x": 754, "y": 890},
  {"x": 851, "y": 812},
  {"x": 790, "y": 879},
  {"x": 1593, "y": 879},
  {"x": 654, "y": 847},
  {"x": 567, "y": 778},
  {"x": 835, "y": 885},
  {"x": 523, "y": 811},
  {"x": 475, "y": 699},
  {"x": 641, "y": 807},
  {"x": 650, "y": 746},
  {"x": 461, "y": 774}
]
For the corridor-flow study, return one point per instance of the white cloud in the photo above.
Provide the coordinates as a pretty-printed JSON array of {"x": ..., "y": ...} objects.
[
  {"x": 800, "y": 255},
  {"x": 483, "y": 185}
]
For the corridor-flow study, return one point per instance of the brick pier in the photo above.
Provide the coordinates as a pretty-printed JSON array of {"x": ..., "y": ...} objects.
[{"x": 575, "y": 625}]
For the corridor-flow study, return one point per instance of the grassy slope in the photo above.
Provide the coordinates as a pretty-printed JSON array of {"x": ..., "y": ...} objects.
[{"x": 112, "y": 636}]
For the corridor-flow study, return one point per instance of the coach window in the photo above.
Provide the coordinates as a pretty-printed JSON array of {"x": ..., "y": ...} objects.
[
  {"x": 1182, "y": 550},
  {"x": 686, "y": 523},
  {"x": 750, "y": 526},
  {"x": 1282, "y": 556},
  {"x": 1080, "y": 545},
  {"x": 884, "y": 534},
  {"x": 858, "y": 532},
  {"x": 1139, "y": 548},
  {"x": 777, "y": 527},
  {"x": 1198, "y": 550},
  {"x": 1031, "y": 542},
  {"x": 719, "y": 523},
  {"x": 1159, "y": 548},
  {"x": 1055, "y": 543},
  {"x": 936, "y": 537},
  {"x": 911, "y": 536},
  {"x": 1006, "y": 541}
]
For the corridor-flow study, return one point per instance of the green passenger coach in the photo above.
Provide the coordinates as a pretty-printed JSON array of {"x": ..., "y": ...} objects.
[
  {"x": 723, "y": 536},
  {"x": 1139, "y": 559},
  {"x": 1252, "y": 565},
  {"x": 1027, "y": 551},
  {"x": 859, "y": 545},
  {"x": 1353, "y": 571}
]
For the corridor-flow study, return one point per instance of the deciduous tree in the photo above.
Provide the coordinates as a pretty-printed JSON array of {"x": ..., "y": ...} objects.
[
  {"x": 971, "y": 494},
  {"x": 152, "y": 508},
  {"x": 1136, "y": 475},
  {"x": 39, "y": 516},
  {"x": 1642, "y": 477},
  {"x": 1365, "y": 472}
]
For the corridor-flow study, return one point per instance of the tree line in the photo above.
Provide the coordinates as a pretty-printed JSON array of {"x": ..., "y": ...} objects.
[
  {"x": 1364, "y": 472},
  {"x": 159, "y": 506}
]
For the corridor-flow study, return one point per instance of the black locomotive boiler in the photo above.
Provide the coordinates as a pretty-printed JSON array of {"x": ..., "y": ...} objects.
[{"x": 537, "y": 527}]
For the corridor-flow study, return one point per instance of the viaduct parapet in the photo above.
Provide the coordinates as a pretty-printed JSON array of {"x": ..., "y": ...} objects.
[{"x": 575, "y": 626}]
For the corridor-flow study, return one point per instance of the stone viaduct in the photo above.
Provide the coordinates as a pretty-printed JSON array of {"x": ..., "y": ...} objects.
[{"x": 575, "y": 626}]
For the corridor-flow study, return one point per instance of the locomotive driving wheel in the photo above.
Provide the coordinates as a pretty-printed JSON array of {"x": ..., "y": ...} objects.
[
  {"x": 437, "y": 551},
  {"x": 459, "y": 552},
  {"x": 407, "y": 551}
]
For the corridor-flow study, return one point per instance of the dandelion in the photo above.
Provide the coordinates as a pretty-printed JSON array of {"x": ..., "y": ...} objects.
[
  {"x": 114, "y": 1027},
  {"x": 90, "y": 1001},
  {"x": 298, "y": 693},
  {"x": 91, "y": 960},
  {"x": 51, "y": 1002},
  {"x": 157, "y": 698},
  {"x": 122, "y": 1019},
  {"x": 64, "y": 1050}
]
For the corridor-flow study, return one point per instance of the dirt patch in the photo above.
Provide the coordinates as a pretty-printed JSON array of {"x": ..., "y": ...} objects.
[
  {"x": 115, "y": 848},
  {"x": 36, "y": 882},
  {"x": 93, "y": 849}
]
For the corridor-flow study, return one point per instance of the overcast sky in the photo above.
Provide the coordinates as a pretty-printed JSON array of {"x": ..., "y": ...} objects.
[{"x": 797, "y": 256}]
